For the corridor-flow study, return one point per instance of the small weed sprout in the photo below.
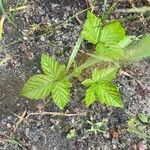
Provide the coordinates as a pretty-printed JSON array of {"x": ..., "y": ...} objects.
[
  {"x": 137, "y": 125},
  {"x": 97, "y": 127},
  {"x": 71, "y": 134}
]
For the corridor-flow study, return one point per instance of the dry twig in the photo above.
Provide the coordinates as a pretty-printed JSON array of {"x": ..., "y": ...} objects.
[
  {"x": 55, "y": 114},
  {"x": 143, "y": 9}
]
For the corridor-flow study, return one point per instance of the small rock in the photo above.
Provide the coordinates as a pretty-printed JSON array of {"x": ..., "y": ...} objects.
[
  {"x": 106, "y": 135},
  {"x": 133, "y": 147},
  {"x": 9, "y": 125},
  {"x": 42, "y": 38},
  {"x": 141, "y": 146},
  {"x": 34, "y": 148}
]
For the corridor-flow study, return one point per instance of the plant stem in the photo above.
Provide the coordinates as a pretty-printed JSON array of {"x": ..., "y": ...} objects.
[
  {"x": 9, "y": 44},
  {"x": 4, "y": 12},
  {"x": 128, "y": 18},
  {"x": 143, "y": 9},
  {"x": 88, "y": 63},
  {"x": 1, "y": 25},
  {"x": 105, "y": 4},
  {"x": 18, "y": 8},
  {"x": 4, "y": 60},
  {"x": 58, "y": 26},
  {"x": 107, "y": 13}
]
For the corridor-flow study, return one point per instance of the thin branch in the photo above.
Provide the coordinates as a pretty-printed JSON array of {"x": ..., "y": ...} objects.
[
  {"x": 143, "y": 9},
  {"x": 55, "y": 114},
  {"x": 18, "y": 8},
  {"x": 109, "y": 11},
  {"x": 58, "y": 26},
  {"x": 21, "y": 119}
]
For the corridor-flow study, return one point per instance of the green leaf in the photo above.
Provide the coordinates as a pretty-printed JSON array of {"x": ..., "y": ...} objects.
[
  {"x": 104, "y": 74},
  {"x": 113, "y": 32},
  {"x": 2, "y": 20},
  {"x": 101, "y": 88},
  {"x": 90, "y": 96},
  {"x": 143, "y": 117},
  {"x": 37, "y": 87},
  {"x": 91, "y": 29},
  {"x": 113, "y": 52},
  {"x": 140, "y": 50},
  {"x": 109, "y": 94},
  {"x": 87, "y": 82},
  {"x": 71, "y": 134},
  {"x": 61, "y": 93},
  {"x": 138, "y": 132},
  {"x": 141, "y": 127},
  {"x": 51, "y": 67},
  {"x": 127, "y": 40}
]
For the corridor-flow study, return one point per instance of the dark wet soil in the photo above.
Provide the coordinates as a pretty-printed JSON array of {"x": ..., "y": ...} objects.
[{"x": 57, "y": 37}]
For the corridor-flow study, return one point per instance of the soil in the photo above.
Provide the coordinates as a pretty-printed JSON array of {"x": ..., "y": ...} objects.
[{"x": 23, "y": 46}]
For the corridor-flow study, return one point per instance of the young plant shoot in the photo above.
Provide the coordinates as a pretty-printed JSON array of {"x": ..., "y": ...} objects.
[{"x": 111, "y": 49}]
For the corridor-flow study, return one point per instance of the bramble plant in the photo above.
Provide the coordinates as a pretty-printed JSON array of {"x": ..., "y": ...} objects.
[{"x": 111, "y": 49}]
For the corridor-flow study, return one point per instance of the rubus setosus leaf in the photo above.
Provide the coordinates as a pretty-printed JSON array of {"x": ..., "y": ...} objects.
[
  {"x": 140, "y": 50},
  {"x": 100, "y": 75},
  {"x": 90, "y": 96},
  {"x": 106, "y": 74},
  {"x": 101, "y": 88},
  {"x": 51, "y": 67},
  {"x": 87, "y": 82},
  {"x": 51, "y": 82},
  {"x": 37, "y": 87},
  {"x": 112, "y": 32},
  {"x": 91, "y": 28},
  {"x": 61, "y": 93},
  {"x": 112, "y": 41},
  {"x": 108, "y": 94},
  {"x": 114, "y": 52}
]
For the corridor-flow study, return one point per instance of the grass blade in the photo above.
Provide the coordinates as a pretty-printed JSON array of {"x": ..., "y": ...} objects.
[
  {"x": 4, "y": 60},
  {"x": 18, "y": 8},
  {"x": 107, "y": 13},
  {"x": 4, "y": 12},
  {"x": 74, "y": 52},
  {"x": 2, "y": 25},
  {"x": 140, "y": 50}
]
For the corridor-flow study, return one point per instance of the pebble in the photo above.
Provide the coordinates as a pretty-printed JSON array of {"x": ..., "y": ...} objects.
[{"x": 34, "y": 147}]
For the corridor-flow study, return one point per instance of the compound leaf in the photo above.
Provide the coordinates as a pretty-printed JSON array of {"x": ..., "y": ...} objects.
[
  {"x": 101, "y": 88},
  {"x": 104, "y": 74},
  {"x": 61, "y": 93},
  {"x": 91, "y": 29},
  {"x": 112, "y": 32},
  {"x": 90, "y": 96},
  {"x": 108, "y": 94},
  {"x": 51, "y": 67},
  {"x": 37, "y": 87}
]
